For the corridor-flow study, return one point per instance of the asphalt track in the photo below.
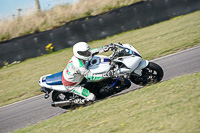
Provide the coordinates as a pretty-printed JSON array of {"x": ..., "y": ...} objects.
[{"x": 36, "y": 109}]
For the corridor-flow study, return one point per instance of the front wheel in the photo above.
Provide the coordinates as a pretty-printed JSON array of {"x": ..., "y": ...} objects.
[{"x": 153, "y": 73}]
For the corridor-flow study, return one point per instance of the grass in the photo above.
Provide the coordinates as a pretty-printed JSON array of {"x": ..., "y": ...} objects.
[
  {"x": 41, "y": 21},
  {"x": 20, "y": 81},
  {"x": 170, "y": 106}
]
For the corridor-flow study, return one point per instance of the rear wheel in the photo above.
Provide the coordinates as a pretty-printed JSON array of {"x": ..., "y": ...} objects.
[
  {"x": 65, "y": 96},
  {"x": 60, "y": 96},
  {"x": 153, "y": 73}
]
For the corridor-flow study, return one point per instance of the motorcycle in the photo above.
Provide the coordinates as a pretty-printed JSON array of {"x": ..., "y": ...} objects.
[{"x": 125, "y": 61}]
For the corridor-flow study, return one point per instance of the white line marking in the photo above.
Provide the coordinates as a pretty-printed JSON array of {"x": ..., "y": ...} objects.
[
  {"x": 151, "y": 60},
  {"x": 176, "y": 53}
]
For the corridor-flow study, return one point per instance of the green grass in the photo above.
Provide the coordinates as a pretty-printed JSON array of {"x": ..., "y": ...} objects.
[
  {"x": 20, "y": 81},
  {"x": 169, "y": 107}
]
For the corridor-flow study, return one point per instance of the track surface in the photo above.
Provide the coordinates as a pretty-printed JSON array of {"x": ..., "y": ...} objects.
[{"x": 33, "y": 110}]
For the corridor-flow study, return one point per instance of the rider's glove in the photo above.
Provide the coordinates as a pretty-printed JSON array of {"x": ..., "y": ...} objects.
[
  {"x": 108, "y": 47},
  {"x": 110, "y": 73}
]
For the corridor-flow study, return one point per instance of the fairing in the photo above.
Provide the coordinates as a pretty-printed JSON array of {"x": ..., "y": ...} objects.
[{"x": 99, "y": 64}]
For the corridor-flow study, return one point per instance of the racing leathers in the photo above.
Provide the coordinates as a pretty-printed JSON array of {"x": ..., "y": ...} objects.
[{"x": 75, "y": 72}]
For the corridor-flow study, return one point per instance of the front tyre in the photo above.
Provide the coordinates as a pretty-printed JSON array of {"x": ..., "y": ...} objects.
[{"x": 153, "y": 73}]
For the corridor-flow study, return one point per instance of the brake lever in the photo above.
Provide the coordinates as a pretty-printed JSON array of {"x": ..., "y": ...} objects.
[
  {"x": 113, "y": 55},
  {"x": 119, "y": 43}
]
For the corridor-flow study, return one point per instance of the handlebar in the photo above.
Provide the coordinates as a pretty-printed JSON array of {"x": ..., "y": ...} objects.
[
  {"x": 126, "y": 50},
  {"x": 115, "y": 48}
]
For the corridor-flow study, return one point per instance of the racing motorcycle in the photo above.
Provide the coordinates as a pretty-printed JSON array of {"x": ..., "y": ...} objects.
[{"x": 125, "y": 61}]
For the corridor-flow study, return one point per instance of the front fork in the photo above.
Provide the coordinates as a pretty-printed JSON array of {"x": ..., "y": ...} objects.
[{"x": 142, "y": 65}]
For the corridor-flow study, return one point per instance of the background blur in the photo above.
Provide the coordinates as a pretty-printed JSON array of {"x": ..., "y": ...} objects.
[{"x": 13, "y": 8}]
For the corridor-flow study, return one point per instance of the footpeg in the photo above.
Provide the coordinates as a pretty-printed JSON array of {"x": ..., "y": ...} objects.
[
  {"x": 46, "y": 91},
  {"x": 79, "y": 101},
  {"x": 46, "y": 96}
]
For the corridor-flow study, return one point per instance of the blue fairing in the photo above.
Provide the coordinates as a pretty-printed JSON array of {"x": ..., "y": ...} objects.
[{"x": 54, "y": 79}]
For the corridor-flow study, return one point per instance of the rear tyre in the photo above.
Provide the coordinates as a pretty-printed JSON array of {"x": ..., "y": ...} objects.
[
  {"x": 153, "y": 73},
  {"x": 60, "y": 96}
]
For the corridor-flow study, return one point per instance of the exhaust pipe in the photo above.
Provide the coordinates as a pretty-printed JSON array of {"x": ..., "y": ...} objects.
[{"x": 61, "y": 103}]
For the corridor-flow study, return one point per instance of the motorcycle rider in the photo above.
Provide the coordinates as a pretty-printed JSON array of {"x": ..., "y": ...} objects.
[{"x": 76, "y": 70}]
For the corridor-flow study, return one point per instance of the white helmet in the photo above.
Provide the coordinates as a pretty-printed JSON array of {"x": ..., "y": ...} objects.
[{"x": 81, "y": 51}]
